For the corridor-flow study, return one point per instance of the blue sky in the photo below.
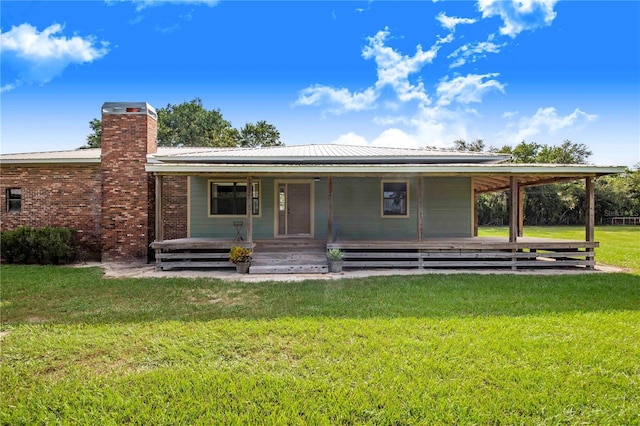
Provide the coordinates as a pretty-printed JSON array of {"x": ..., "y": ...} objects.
[{"x": 407, "y": 74}]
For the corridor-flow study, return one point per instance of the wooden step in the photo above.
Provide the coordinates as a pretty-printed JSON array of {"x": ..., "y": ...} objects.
[
  {"x": 281, "y": 257},
  {"x": 290, "y": 244},
  {"x": 307, "y": 261},
  {"x": 288, "y": 269}
]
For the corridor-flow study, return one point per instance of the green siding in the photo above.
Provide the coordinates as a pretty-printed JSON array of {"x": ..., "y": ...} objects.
[
  {"x": 448, "y": 204},
  {"x": 448, "y": 207},
  {"x": 357, "y": 210},
  {"x": 201, "y": 225},
  {"x": 321, "y": 189}
]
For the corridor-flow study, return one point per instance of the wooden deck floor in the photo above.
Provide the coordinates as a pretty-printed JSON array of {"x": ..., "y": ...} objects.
[{"x": 291, "y": 254}]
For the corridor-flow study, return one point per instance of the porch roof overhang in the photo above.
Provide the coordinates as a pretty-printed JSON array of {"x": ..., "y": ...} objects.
[{"x": 486, "y": 177}]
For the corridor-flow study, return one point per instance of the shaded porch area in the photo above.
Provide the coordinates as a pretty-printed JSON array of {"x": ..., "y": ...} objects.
[{"x": 308, "y": 255}]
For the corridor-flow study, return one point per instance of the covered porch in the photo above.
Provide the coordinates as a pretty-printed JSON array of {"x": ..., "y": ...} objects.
[{"x": 341, "y": 202}]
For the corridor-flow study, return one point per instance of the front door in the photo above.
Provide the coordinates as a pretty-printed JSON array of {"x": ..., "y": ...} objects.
[{"x": 294, "y": 209}]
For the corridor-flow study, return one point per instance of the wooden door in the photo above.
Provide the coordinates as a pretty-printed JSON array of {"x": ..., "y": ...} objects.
[{"x": 294, "y": 209}]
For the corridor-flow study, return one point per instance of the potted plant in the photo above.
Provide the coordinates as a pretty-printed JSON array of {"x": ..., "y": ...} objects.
[
  {"x": 334, "y": 258},
  {"x": 241, "y": 257}
]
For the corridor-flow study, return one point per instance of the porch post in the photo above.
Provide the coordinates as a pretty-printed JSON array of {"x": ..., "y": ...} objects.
[
  {"x": 330, "y": 212},
  {"x": 249, "y": 210},
  {"x": 158, "y": 201},
  {"x": 420, "y": 208},
  {"x": 513, "y": 209},
  {"x": 590, "y": 219},
  {"x": 520, "y": 212},
  {"x": 475, "y": 213}
]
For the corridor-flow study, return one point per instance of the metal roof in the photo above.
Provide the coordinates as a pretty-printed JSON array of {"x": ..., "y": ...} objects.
[
  {"x": 499, "y": 169},
  {"x": 326, "y": 154},
  {"x": 75, "y": 156},
  {"x": 488, "y": 170},
  {"x": 294, "y": 154}
]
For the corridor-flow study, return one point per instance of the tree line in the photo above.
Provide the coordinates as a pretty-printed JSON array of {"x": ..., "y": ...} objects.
[
  {"x": 560, "y": 203},
  {"x": 190, "y": 124}
]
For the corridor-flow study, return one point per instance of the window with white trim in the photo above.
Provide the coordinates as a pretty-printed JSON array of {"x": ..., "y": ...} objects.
[
  {"x": 230, "y": 198},
  {"x": 395, "y": 199},
  {"x": 14, "y": 199}
]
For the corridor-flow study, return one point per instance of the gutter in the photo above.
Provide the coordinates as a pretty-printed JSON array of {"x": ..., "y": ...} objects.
[{"x": 478, "y": 169}]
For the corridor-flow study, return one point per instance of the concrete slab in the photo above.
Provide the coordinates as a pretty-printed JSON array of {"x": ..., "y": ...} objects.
[{"x": 143, "y": 270}]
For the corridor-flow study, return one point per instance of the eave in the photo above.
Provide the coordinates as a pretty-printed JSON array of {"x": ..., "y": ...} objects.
[
  {"x": 61, "y": 161},
  {"x": 486, "y": 177}
]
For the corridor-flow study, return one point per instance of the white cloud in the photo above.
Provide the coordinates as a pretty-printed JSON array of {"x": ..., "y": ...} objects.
[
  {"x": 395, "y": 138},
  {"x": 450, "y": 22},
  {"x": 143, "y": 4},
  {"x": 545, "y": 120},
  {"x": 342, "y": 99},
  {"x": 390, "y": 120},
  {"x": 41, "y": 56},
  {"x": 350, "y": 138},
  {"x": 519, "y": 15},
  {"x": 438, "y": 126},
  {"x": 467, "y": 89},
  {"x": 510, "y": 114},
  {"x": 473, "y": 51},
  {"x": 391, "y": 137},
  {"x": 394, "y": 69}
]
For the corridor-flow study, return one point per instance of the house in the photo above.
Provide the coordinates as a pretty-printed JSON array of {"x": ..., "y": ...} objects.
[{"x": 384, "y": 207}]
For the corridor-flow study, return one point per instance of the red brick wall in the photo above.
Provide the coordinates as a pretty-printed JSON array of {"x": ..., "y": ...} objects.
[
  {"x": 127, "y": 190},
  {"x": 174, "y": 206},
  {"x": 55, "y": 195}
]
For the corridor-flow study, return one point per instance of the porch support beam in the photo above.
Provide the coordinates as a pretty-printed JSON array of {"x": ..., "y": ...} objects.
[
  {"x": 249, "y": 210},
  {"x": 589, "y": 216},
  {"x": 475, "y": 213},
  {"x": 520, "y": 211},
  {"x": 159, "y": 220},
  {"x": 590, "y": 220},
  {"x": 420, "y": 199},
  {"x": 330, "y": 208},
  {"x": 513, "y": 209}
]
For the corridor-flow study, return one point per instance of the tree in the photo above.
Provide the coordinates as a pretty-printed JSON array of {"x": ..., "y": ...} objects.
[
  {"x": 462, "y": 145},
  {"x": 523, "y": 152},
  {"x": 95, "y": 137},
  {"x": 567, "y": 153},
  {"x": 190, "y": 124},
  {"x": 531, "y": 152},
  {"x": 259, "y": 134}
]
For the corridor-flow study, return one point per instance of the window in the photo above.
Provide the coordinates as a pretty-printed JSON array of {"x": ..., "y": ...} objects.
[
  {"x": 230, "y": 198},
  {"x": 14, "y": 199},
  {"x": 394, "y": 198}
]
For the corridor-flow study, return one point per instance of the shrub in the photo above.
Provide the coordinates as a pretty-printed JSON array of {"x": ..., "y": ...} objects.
[
  {"x": 15, "y": 245},
  {"x": 41, "y": 245}
]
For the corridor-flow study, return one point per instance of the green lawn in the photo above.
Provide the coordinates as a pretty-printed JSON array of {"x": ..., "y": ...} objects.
[
  {"x": 431, "y": 349},
  {"x": 619, "y": 245}
]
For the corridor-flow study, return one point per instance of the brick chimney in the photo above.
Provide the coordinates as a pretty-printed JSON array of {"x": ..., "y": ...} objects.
[{"x": 129, "y": 133}]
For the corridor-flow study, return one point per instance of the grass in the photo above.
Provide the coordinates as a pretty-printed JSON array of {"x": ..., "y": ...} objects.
[
  {"x": 618, "y": 244},
  {"x": 434, "y": 349}
]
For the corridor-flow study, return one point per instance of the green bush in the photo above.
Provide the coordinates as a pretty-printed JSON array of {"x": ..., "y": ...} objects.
[{"x": 41, "y": 245}]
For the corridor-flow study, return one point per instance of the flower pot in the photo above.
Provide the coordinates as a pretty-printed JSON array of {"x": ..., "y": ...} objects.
[
  {"x": 335, "y": 265},
  {"x": 243, "y": 267}
]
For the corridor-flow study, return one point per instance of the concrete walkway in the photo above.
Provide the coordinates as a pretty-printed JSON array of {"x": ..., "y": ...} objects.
[{"x": 143, "y": 270}]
